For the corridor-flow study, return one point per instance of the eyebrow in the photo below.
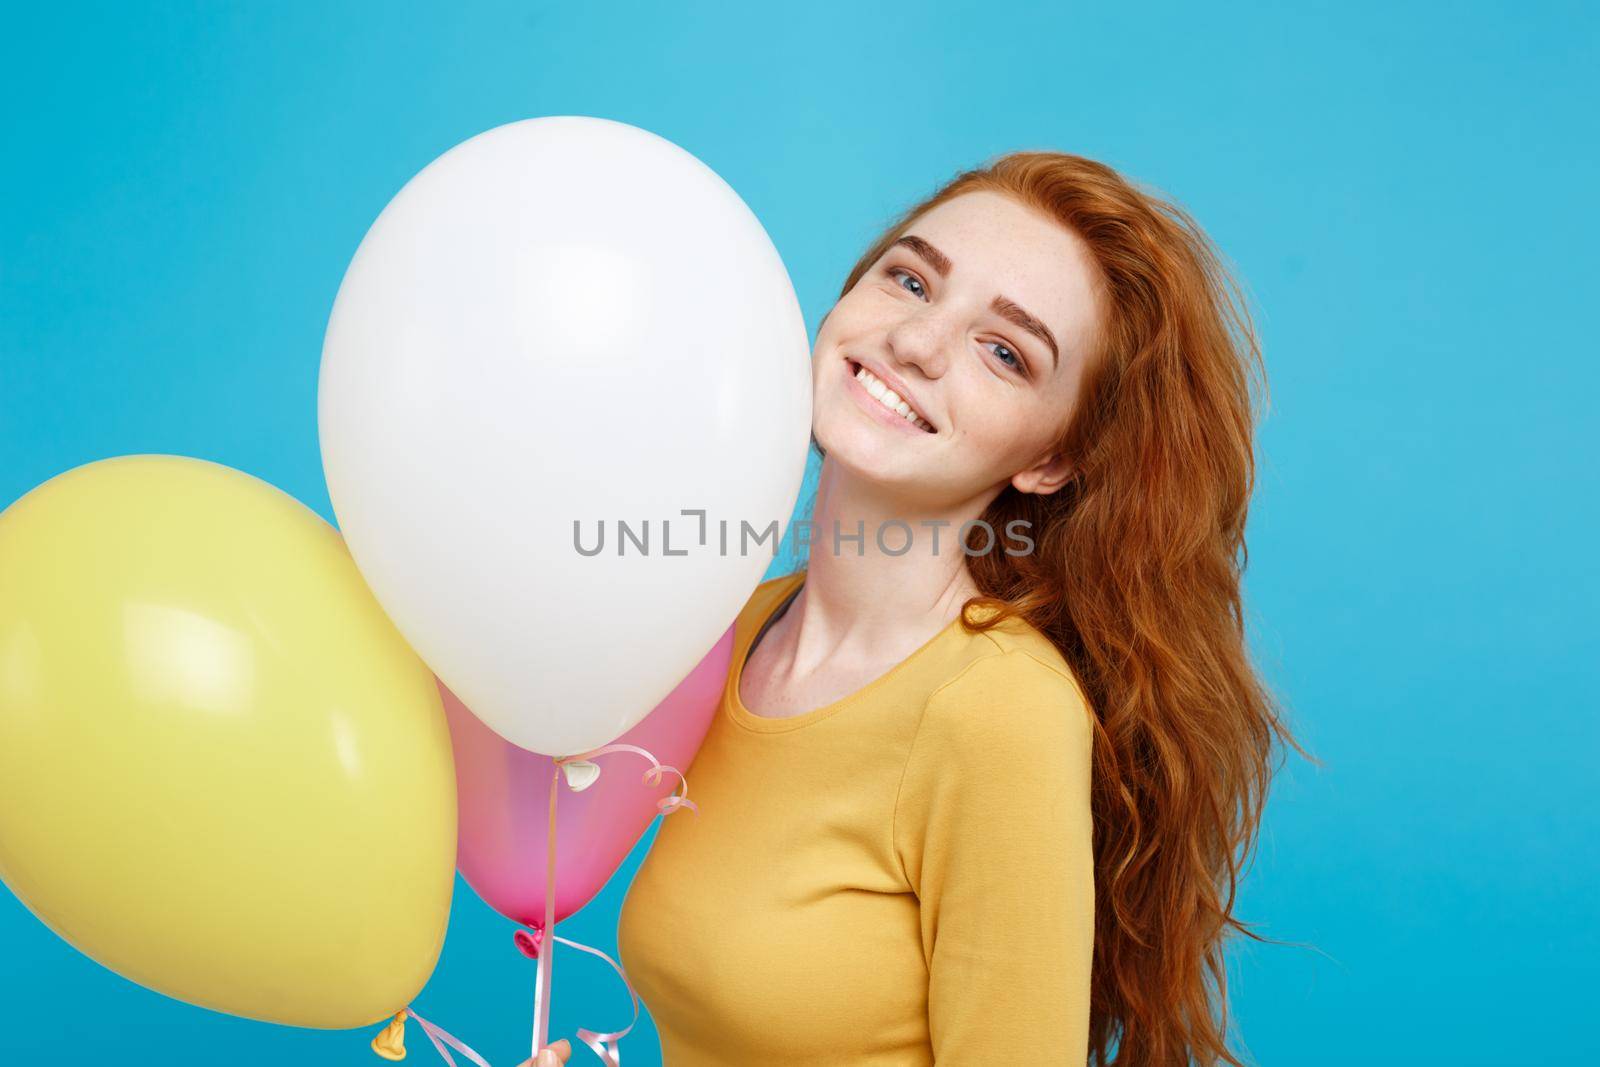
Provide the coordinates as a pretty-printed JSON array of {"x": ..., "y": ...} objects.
[{"x": 1005, "y": 307}]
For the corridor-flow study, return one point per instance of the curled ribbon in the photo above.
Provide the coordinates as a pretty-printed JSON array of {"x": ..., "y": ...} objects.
[
  {"x": 605, "y": 1045},
  {"x": 390, "y": 1044},
  {"x": 666, "y": 805}
]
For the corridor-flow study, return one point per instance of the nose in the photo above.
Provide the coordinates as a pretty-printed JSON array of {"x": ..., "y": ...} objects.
[{"x": 923, "y": 338}]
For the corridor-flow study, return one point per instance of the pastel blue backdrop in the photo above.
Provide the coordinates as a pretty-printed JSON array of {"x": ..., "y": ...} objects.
[{"x": 1408, "y": 191}]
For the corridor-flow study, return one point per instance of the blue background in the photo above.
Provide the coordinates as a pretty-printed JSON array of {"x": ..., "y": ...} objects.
[{"x": 1409, "y": 193}]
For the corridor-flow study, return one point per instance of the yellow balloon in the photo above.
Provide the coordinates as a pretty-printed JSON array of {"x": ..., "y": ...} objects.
[{"x": 223, "y": 772}]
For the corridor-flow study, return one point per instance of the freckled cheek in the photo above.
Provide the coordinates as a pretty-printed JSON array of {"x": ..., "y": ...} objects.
[
  {"x": 991, "y": 436},
  {"x": 983, "y": 440}
]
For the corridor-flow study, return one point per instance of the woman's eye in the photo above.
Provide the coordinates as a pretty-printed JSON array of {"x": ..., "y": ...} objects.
[
  {"x": 919, "y": 292},
  {"x": 1016, "y": 363}
]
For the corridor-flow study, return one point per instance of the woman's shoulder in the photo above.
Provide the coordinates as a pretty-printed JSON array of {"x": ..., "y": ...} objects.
[
  {"x": 767, "y": 596},
  {"x": 1001, "y": 671},
  {"x": 1005, "y": 685},
  {"x": 761, "y": 604},
  {"x": 771, "y": 587},
  {"x": 769, "y": 590},
  {"x": 1011, "y": 736},
  {"x": 1021, "y": 649}
]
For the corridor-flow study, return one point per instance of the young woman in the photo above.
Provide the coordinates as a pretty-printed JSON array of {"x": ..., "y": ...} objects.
[{"x": 986, "y": 770}]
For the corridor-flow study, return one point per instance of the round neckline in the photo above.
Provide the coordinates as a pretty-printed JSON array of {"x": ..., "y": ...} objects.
[{"x": 782, "y": 724}]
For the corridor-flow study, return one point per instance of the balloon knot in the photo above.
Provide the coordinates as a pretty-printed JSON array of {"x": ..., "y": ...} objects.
[
  {"x": 528, "y": 941},
  {"x": 391, "y": 1041},
  {"x": 580, "y": 773}
]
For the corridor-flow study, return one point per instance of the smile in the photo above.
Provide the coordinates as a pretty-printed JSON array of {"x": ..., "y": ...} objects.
[{"x": 886, "y": 400}]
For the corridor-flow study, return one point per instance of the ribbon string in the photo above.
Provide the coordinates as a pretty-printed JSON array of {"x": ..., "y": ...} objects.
[
  {"x": 665, "y": 805},
  {"x": 541, "y": 982},
  {"x": 391, "y": 1043},
  {"x": 606, "y": 1045},
  {"x": 440, "y": 1038}
]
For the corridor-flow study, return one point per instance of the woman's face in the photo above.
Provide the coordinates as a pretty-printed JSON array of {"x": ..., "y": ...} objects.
[{"x": 979, "y": 320}]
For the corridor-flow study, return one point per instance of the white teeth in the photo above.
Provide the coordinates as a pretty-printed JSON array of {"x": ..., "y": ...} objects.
[{"x": 890, "y": 399}]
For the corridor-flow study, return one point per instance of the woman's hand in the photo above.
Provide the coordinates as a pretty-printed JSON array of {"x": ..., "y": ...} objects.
[{"x": 552, "y": 1055}]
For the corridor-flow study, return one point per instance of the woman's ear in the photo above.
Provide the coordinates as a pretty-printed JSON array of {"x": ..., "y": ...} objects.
[{"x": 1046, "y": 476}]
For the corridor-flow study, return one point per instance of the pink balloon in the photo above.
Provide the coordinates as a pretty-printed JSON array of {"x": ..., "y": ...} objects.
[{"x": 503, "y": 794}]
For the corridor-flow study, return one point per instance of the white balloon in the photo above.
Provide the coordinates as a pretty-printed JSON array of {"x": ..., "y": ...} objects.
[{"x": 562, "y": 320}]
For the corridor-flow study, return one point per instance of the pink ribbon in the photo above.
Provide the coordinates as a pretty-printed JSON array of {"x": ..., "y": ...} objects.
[
  {"x": 440, "y": 1038},
  {"x": 605, "y": 1045},
  {"x": 666, "y": 805}
]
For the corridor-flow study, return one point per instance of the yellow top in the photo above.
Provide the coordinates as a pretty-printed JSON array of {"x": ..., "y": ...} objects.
[{"x": 900, "y": 878}]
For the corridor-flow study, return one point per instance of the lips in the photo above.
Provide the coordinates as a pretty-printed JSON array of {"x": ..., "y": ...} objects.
[{"x": 854, "y": 368}]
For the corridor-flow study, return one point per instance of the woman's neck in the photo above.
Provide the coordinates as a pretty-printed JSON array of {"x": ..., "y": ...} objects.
[{"x": 860, "y": 603}]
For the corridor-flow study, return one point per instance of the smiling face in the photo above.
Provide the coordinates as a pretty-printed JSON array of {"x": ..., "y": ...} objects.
[{"x": 979, "y": 321}]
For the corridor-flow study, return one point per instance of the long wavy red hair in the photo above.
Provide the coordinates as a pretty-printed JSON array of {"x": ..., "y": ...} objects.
[{"x": 1135, "y": 576}]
